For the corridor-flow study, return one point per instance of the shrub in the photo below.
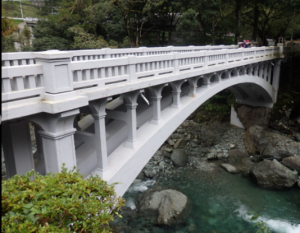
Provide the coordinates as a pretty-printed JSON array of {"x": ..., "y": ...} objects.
[{"x": 62, "y": 202}]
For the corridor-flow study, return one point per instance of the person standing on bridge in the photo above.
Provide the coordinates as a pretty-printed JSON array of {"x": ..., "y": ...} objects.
[
  {"x": 242, "y": 45},
  {"x": 248, "y": 44}
]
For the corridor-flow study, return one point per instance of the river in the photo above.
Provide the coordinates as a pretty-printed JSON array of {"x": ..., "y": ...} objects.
[{"x": 221, "y": 202}]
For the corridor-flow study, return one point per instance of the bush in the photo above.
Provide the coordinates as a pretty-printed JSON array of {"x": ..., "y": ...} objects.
[{"x": 62, "y": 202}]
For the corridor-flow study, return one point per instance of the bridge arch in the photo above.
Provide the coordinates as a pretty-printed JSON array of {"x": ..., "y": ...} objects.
[{"x": 248, "y": 91}]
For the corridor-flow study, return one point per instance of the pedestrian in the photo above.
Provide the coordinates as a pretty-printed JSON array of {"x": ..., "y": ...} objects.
[
  {"x": 242, "y": 45},
  {"x": 248, "y": 44}
]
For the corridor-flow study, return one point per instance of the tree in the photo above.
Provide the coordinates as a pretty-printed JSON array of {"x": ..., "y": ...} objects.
[{"x": 7, "y": 29}]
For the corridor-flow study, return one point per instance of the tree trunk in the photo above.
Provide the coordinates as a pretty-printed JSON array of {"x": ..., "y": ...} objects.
[
  {"x": 213, "y": 31},
  {"x": 255, "y": 24},
  {"x": 238, "y": 20}
]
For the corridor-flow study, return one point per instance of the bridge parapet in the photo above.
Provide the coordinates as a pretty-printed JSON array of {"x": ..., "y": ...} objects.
[
  {"x": 27, "y": 58},
  {"x": 56, "y": 77}
]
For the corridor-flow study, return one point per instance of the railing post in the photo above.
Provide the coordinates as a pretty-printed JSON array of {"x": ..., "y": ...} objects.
[
  {"x": 57, "y": 75},
  {"x": 171, "y": 48},
  {"x": 280, "y": 45},
  {"x": 144, "y": 53},
  {"x": 226, "y": 55},
  {"x": 131, "y": 68},
  {"x": 192, "y": 48},
  {"x": 107, "y": 53}
]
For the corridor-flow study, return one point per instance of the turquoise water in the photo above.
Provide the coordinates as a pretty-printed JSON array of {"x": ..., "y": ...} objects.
[{"x": 220, "y": 204}]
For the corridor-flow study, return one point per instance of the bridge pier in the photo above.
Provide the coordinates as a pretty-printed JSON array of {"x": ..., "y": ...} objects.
[
  {"x": 57, "y": 139},
  {"x": 17, "y": 148}
]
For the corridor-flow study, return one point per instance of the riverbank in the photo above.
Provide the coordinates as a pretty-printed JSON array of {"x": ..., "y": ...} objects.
[{"x": 221, "y": 201}]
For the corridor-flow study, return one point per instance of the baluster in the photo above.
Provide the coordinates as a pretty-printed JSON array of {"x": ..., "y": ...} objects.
[
  {"x": 23, "y": 62},
  {"x": 78, "y": 75},
  {"x": 116, "y": 69},
  {"x": 157, "y": 65},
  {"x": 122, "y": 70},
  {"x": 6, "y": 85},
  {"x": 19, "y": 82},
  {"x": 102, "y": 72},
  {"x": 30, "y": 82},
  {"x": 15, "y": 62},
  {"x": 143, "y": 67},
  {"x": 6, "y": 63},
  {"x": 94, "y": 73},
  {"x": 109, "y": 72},
  {"x": 87, "y": 74}
]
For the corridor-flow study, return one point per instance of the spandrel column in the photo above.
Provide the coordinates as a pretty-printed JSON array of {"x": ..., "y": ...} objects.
[
  {"x": 100, "y": 143},
  {"x": 131, "y": 105},
  {"x": 156, "y": 101}
]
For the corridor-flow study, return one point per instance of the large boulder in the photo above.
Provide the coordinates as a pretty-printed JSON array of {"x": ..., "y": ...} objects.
[
  {"x": 292, "y": 162},
  {"x": 269, "y": 144},
  {"x": 179, "y": 157},
  {"x": 272, "y": 174},
  {"x": 249, "y": 115},
  {"x": 171, "y": 206}
]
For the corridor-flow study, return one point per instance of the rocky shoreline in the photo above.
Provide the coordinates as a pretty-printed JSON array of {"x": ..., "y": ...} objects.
[{"x": 209, "y": 146}]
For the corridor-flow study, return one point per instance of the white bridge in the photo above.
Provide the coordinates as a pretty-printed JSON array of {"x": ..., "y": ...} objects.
[{"x": 131, "y": 100}]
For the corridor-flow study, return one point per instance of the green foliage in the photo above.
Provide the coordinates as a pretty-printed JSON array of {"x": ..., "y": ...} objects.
[
  {"x": 113, "y": 43},
  {"x": 84, "y": 40},
  {"x": 125, "y": 43},
  {"x": 262, "y": 228},
  {"x": 219, "y": 103},
  {"x": 49, "y": 34},
  {"x": 62, "y": 202},
  {"x": 13, "y": 9}
]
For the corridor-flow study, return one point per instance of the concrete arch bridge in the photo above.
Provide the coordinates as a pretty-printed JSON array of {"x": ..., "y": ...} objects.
[{"x": 130, "y": 103}]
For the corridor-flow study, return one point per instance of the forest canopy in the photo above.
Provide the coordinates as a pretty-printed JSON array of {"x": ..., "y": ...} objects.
[{"x": 84, "y": 24}]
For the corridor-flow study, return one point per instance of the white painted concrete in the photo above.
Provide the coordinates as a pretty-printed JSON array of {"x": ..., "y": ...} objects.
[
  {"x": 117, "y": 139},
  {"x": 234, "y": 120}
]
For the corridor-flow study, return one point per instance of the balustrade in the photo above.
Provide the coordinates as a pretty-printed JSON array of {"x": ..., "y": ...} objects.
[{"x": 38, "y": 75}]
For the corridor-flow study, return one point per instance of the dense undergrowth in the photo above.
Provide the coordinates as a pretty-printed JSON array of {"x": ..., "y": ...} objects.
[{"x": 62, "y": 202}]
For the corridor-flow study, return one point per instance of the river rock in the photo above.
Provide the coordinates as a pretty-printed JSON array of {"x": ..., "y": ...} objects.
[
  {"x": 150, "y": 172},
  {"x": 180, "y": 143},
  {"x": 171, "y": 206},
  {"x": 269, "y": 144},
  {"x": 249, "y": 115},
  {"x": 212, "y": 155},
  {"x": 179, "y": 157},
  {"x": 272, "y": 174},
  {"x": 229, "y": 168},
  {"x": 292, "y": 162},
  {"x": 171, "y": 142}
]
